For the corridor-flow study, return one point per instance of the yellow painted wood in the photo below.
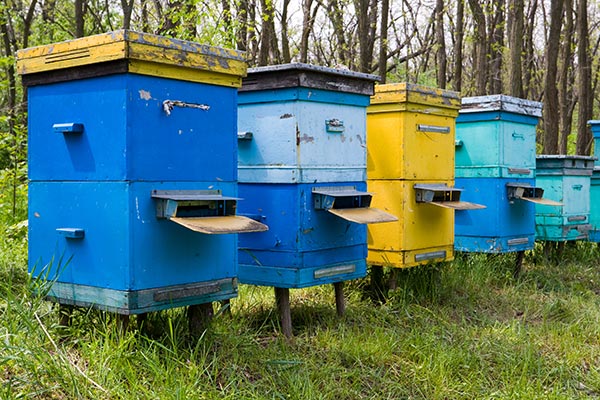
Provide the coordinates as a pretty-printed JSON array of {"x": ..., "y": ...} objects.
[
  {"x": 138, "y": 47},
  {"x": 406, "y": 259},
  {"x": 185, "y": 74},
  {"x": 420, "y": 227},
  {"x": 397, "y": 148}
]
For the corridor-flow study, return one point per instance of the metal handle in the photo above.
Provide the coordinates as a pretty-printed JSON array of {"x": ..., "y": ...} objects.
[
  {"x": 334, "y": 125},
  {"x": 577, "y": 187},
  {"x": 168, "y": 105},
  {"x": 68, "y": 127},
  {"x": 245, "y": 135},
  {"x": 458, "y": 143},
  {"x": 433, "y": 128},
  {"x": 518, "y": 135},
  {"x": 577, "y": 218}
]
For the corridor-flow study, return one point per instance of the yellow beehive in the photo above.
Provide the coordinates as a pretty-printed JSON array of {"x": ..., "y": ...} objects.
[
  {"x": 410, "y": 132},
  {"x": 423, "y": 233}
]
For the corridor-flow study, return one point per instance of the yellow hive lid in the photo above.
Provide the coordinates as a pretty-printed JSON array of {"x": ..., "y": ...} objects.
[
  {"x": 410, "y": 93},
  {"x": 136, "y": 52}
]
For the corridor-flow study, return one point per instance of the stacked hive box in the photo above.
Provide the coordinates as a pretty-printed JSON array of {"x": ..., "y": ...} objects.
[
  {"x": 132, "y": 148},
  {"x": 594, "y": 234},
  {"x": 495, "y": 165},
  {"x": 410, "y": 168},
  {"x": 302, "y": 170},
  {"x": 565, "y": 179}
]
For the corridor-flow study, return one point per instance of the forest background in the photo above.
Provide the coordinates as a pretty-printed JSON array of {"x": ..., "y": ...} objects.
[{"x": 544, "y": 50}]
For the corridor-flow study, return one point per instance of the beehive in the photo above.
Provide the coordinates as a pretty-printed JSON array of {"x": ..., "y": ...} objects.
[{"x": 132, "y": 152}]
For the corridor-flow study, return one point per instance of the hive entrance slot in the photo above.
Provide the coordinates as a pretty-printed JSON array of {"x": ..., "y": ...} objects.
[
  {"x": 526, "y": 192},
  {"x": 350, "y": 204},
  {"x": 441, "y": 195},
  {"x": 204, "y": 211}
]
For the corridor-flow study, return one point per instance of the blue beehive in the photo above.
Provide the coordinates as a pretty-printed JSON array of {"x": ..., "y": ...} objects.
[
  {"x": 594, "y": 234},
  {"x": 130, "y": 157},
  {"x": 495, "y": 165},
  {"x": 302, "y": 171},
  {"x": 565, "y": 179}
]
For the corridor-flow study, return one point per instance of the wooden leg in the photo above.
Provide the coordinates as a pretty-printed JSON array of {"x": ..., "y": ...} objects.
[
  {"x": 65, "y": 313},
  {"x": 122, "y": 323},
  {"x": 518, "y": 264},
  {"x": 340, "y": 301},
  {"x": 199, "y": 316},
  {"x": 393, "y": 281},
  {"x": 282, "y": 297},
  {"x": 378, "y": 292}
]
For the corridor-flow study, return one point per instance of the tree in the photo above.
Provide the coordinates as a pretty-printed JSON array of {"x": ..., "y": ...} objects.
[
  {"x": 584, "y": 83},
  {"x": 516, "y": 33},
  {"x": 440, "y": 42},
  {"x": 550, "y": 107}
]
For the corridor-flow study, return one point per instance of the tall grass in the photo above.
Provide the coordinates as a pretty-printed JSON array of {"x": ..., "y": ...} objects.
[{"x": 460, "y": 330}]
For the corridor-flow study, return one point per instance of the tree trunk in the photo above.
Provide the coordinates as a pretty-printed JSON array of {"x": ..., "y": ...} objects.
[
  {"x": 308, "y": 20},
  {"x": 584, "y": 84},
  {"x": 458, "y": 45},
  {"x": 529, "y": 53},
  {"x": 366, "y": 14},
  {"x": 268, "y": 42},
  {"x": 285, "y": 42},
  {"x": 566, "y": 77},
  {"x": 383, "y": 39},
  {"x": 440, "y": 42},
  {"x": 79, "y": 18},
  {"x": 496, "y": 47},
  {"x": 480, "y": 46},
  {"x": 127, "y": 6},
  {"x": 551, "y": 111},
  {"x": 336, "y": 16},
  {"x": 515, "y": 34}
]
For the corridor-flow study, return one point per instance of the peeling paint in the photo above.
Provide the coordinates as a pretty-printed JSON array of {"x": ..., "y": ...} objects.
[
  {"x": 306, "y": 139},
  {"x": 145, "y": 95},
  {"x": 285, "y": 116}
]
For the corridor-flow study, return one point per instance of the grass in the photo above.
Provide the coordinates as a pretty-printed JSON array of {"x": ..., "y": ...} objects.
[{"x": 460, "y": 330}]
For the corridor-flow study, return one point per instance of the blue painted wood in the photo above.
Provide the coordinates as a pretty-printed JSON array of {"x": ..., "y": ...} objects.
[
  {"x": 292, "y": 139},
  {"x": 497, "y": 137},
  {"x": 128, "y": 135},
  {"x": 126, "y": 247},
  {"x": 595, "y": 128},
  {"x": 566, "y": 179},
  {"x": 299, "y": 236},
  {"x": 503, "y": 226}
]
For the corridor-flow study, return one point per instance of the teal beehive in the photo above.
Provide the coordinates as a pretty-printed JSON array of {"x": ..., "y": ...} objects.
[
  {"x": 594, "y": 234},
  {"x": 565, "y": 179},
  {"x": 495, "y": 137}
]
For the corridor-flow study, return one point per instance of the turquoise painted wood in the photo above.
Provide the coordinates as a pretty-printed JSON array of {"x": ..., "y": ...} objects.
[
  {"x": 308, "y": 124},
  {"x": 566, "y": 179},
  {"x": 495, "y": 137},
  {"x": 595, "y": 128},
  {"x": 594, "y": 234}
]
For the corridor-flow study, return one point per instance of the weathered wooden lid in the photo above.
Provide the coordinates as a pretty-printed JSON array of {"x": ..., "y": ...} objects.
[
  {"x": 129, "y": 51},
  {"x": 309, "y": 76},
  {"x": 550, "y": 164},
  {"x": 417, "y": 94},
  {"x": 501, "y": 102}
]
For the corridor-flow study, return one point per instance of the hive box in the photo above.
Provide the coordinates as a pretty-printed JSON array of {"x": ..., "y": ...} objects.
[
  {"x": 132, "y": 153},
  {"x": 495, "y": 165},
  {"x": 565, "y": 179},
  {"x": 410, "y": 167},
  {"x": 495, "y": 137},
  {"x": 411, "y": 132},
  {"x": 302, "y": 172},
  {"x": 594, "y": 234}
]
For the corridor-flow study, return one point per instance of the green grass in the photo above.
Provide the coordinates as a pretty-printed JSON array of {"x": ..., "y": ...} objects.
[{"x": 461, "y": 330}]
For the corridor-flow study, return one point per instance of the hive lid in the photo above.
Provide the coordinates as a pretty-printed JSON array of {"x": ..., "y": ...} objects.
[
  {"x": 221, "y": 224},
  {"x": 129, "y": 51},
  {"x": 595, "y": 128},
  {"x": 410, "y": 93},
  {"x": 309, "y": 76},
  {"x": 561, "y": 164},
  {"x": 501, "y": 102}
]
